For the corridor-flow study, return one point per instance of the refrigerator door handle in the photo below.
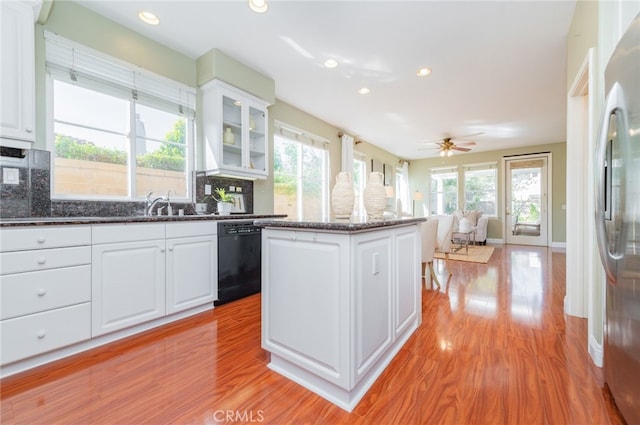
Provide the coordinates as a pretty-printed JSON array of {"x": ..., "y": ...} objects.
[{"x": 611, "y": 246}]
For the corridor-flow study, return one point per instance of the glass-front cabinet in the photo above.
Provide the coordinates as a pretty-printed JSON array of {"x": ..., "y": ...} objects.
[{"x": 235, "y": 132}]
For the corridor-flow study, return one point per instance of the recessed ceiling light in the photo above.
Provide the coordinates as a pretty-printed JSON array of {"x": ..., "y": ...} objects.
[
  {"x": 148, "y": 17},
  {"x": 331, "y": 63},
  {"x": 259, "y": 6},
  {"x": 423, "y": 72},
  {"x": 364, "y": 90}
]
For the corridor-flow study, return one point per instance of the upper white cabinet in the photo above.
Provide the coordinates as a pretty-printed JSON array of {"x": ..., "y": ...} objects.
[
  {"x": 17, "y": 72},
  {"x": 235, "y": 129}
]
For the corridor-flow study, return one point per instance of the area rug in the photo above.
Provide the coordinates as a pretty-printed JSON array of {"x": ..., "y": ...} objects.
[{"x": 477, "y": 254}]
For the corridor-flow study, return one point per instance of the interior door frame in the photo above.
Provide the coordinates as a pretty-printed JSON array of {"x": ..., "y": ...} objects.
[{"x": 549, "y": 204}]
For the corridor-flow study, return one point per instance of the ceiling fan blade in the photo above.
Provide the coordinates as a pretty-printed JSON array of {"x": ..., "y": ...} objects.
[
  {"x": 467, "y": 135},
  {"x": 457, "y": 148},
  {"x": 469, "y": 143}
]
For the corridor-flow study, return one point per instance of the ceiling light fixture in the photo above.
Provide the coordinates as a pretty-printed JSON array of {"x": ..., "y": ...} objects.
[
  {"x": 148, "y": 17},
  {"x": 364, "y": 90},
  {"x": 423, "y": 72},
  {"x": 259, "y": 6},
  {"x": 330, "y": 63}
]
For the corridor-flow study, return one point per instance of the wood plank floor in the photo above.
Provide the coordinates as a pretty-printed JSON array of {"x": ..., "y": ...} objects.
[{"x": 494, "y": 348}]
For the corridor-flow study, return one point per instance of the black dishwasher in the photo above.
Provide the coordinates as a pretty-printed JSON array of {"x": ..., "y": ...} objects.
[{"x": 239, "y": 260}]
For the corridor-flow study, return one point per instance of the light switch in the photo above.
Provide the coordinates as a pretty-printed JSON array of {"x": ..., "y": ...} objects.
[
  {"x": 10, "y": 175},
  {"x": 207, "y": 189},
  {"x": 232, "y": 188}
]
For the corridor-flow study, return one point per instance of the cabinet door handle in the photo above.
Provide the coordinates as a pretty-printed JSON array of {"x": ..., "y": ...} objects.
[
  {"x": 41, "y": 334},
  {"x": 41, "y": 292},
  {"x": 162, "y": 249},
  {"x": 42, "y": 260},
  {"x": 41, "y": 239},
  {"x": 28, "y": 130}
]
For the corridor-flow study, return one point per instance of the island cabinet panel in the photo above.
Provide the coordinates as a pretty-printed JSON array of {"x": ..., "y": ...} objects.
[
  {"x": 373, "y": 299},
  {"x": 338, "y": 305},
  {"x": 407, "y": 269},
  {"x": 307, "y": 301}
]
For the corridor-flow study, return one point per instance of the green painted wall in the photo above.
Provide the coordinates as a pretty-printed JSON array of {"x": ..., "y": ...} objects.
[{"x": 419, "y": 180}]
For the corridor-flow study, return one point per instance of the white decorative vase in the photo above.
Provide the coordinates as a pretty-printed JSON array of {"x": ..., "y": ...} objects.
[
  {"x": 228, "y": 138},
  {"x": 224, "y": 208},
  {"x": 375, "y": 197},
  {"x": 342, "y": 196}
]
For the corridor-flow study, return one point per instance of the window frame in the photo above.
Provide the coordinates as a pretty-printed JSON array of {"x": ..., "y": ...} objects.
[
  {"x": 112, "y": 87},
  {"x": 443, "y": 170},
  {"x": 481, "y": 167},
  {"x": 302, "y": 138}
]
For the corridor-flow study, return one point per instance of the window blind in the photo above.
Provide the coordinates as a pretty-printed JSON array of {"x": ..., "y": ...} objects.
[
  {"x": 301, "y": 136},
  {"x": 78, "y": 63}
]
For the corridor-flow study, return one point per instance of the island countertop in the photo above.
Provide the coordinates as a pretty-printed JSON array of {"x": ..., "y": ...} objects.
[{"x": 352, "y": 225}]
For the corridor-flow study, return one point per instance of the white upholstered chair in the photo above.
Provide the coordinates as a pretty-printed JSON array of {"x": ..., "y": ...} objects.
[
  {"x": 445, "y": 231},
  {"x": 429, "y": 230}
]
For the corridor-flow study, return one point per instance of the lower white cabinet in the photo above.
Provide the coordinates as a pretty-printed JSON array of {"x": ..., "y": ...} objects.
[
  {"x": 127, "y": 284},
  {"x": 192, "y": 261},
  {"x": 45, "y": 290},
  {"x": 147, "y": 271}
]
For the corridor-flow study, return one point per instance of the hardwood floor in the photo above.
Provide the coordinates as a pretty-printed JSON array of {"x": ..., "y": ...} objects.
[{"x": 494, "y": 348}]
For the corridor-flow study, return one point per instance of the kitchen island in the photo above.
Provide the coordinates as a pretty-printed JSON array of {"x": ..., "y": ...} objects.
[{"x": 339, "y": 300}]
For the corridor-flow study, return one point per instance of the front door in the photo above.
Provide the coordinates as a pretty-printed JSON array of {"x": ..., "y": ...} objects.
[{"x": 526, "y": 212}]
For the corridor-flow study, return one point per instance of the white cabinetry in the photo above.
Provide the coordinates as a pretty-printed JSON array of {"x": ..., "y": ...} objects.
[
  {"x": 192, "y": 258},
  {"x": 45, "y": 289},
  {"x": 17, "y": 73},
  {"x": 128, "y": 273},
  {"x": 338, "y": 306},
  {"x": 235, "y": 132}
]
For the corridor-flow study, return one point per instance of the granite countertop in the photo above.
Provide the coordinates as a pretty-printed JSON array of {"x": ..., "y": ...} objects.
[
  {"x": 40, "y": 221},
  {"x": 352, "y": 225}
]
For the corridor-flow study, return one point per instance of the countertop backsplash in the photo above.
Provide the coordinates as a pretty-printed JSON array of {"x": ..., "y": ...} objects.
[{"x": 25, "y": 191}]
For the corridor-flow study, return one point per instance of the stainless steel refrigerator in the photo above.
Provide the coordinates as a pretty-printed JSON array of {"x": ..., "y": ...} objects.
[{"x": 618, "y": 222}]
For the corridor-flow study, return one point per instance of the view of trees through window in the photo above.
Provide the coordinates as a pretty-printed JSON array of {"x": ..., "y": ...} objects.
[
  {"x": 299, "y": 179},
  {"x": 444, "y": 192},
  {"x": 91, "y": 132},
  {"x": 480, "y": 190}
]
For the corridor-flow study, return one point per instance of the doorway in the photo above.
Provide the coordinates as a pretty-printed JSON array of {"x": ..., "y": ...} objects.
[{"x": 526, "y": 200}]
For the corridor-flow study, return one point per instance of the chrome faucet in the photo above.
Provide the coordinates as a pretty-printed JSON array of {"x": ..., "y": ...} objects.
[{"x": 150, "y": 203}]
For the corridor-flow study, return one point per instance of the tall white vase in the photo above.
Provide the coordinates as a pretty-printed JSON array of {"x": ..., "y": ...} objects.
[
  {"x": 375, "y": 196},
  {"x": 342, "y": 196}
]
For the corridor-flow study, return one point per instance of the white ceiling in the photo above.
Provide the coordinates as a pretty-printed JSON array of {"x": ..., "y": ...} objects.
[{"x": 499, "y": 67}]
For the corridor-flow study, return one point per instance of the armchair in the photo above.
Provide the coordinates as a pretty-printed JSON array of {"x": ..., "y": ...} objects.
[{"x": 480, "y": 233}]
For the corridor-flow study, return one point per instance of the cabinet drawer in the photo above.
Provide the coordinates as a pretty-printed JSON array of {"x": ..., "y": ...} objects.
[
  {"x": 34, "y": 292},
  {"x": 27, "y": 336},
  {"x": 136, "y": 232},
  {"x": 42, "y": 259},
  {"x": 20, "y": 239},
  {"x": 184, "y": 230}
]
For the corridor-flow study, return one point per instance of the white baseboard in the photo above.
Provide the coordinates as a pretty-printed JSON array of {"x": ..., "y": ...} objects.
[
  {"x": 558, "y": 245},
  {"x": 495, "y": 241},
  {"x": 596, "y": 352}
]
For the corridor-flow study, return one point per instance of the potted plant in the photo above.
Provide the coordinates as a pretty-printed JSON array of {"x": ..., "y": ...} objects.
[{"x": 225, "y": 201}]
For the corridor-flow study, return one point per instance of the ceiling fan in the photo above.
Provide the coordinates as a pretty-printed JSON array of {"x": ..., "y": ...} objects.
[{"x": 449, "y": 144}]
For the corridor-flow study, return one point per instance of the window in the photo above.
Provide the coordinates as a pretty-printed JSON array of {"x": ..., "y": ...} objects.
[
  {"x": 359, "y": 181},
  {"x": 481, "y": 188},
  {"x": 300, "y": 174},
  {"x": 444, "y": 191},
  {"x": 116, "y": 132}
]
